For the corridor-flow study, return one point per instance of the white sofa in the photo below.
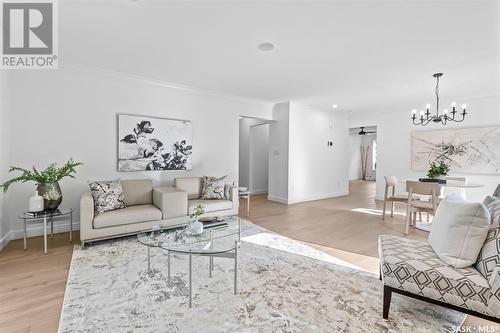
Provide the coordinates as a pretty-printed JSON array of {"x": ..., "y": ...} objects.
[{"x": 147, "y": 207}]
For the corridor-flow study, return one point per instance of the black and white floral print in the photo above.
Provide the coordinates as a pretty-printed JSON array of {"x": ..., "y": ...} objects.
[
  {"x": 107, "y": 196},
  {"x": 213, "y": 188}
]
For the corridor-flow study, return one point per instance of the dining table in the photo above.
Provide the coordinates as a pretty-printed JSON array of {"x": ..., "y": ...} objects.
[{"x": 462, "y": 186}]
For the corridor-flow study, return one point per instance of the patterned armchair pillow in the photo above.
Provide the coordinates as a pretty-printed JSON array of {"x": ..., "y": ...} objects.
[
  {"x": 489, "y": 256},
  {"x": 107, "y": 196},
  {"x": 494, "y": 208},
  {"x": 213, "y": 188}
]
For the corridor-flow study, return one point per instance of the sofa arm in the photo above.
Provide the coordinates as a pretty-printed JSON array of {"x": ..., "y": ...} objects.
[
  {"x": 232, "y": 193},
  {"x": 171, "y": 201},
  {"x": 86, "y": 215}
]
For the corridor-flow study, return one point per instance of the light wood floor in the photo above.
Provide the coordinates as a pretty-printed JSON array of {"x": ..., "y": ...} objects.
[{"x": 32, "y": 284}]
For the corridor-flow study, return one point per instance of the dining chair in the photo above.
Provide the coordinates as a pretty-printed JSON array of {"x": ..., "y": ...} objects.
[
  {"x": 416, "y": 189},
  {"x": 390, "y": 194}
]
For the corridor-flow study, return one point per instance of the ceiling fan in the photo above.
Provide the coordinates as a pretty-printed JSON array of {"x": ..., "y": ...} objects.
[{"x": 363, "y": 132}]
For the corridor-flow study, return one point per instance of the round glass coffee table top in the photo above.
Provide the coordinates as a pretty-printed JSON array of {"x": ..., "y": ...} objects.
[{"x": 217, "y": 239}]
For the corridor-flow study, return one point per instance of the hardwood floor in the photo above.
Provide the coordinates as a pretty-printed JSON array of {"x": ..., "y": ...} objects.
[{"x": 32, "y": 284}]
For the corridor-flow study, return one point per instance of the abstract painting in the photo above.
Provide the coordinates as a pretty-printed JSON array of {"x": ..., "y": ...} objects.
[
  {"x": 150, "y": 143},
  {"x": 466, "y": 150}
]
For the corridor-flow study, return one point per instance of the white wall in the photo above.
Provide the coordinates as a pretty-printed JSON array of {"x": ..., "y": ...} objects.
[
  {"x": 73, "y": 113},
  {"x": 278, "y": 153},
  {"x": 317, "y": 170},
  {"x": 4, "y": 153},
  {"x": 394, "y": 137},
  {"x": 259, "y": 158}
]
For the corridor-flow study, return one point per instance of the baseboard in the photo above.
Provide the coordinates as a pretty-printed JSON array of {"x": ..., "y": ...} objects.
[
  {"x": 307, "y": 199},
  {"x": 318, "y": 197},
  {"x": 277, "y": 199},
  {"x": 258, "y": 192},
  {"x": 4, "y": 240},
  {"x": 37, "y": 230}
]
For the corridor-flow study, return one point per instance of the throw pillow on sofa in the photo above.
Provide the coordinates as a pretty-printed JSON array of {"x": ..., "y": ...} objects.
[
  {"x": 489, "y": 257},
  {"x": 458, "y": 231},
  {"x": 213, "y": 188},
  {"x": 107, "y": 196}
]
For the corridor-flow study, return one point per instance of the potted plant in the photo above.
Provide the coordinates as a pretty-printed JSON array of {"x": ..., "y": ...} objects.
[
  {"x": 47, "y": 181},
  {"x": 196, "y": 227},
  {"x": 437, "y": 170}
]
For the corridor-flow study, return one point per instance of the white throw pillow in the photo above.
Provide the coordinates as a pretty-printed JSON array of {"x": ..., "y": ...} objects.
[{"x": 458, "y": 231}]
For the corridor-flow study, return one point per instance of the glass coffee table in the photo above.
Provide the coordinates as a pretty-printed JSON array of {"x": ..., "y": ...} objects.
[{"x": 214, "y": 242}]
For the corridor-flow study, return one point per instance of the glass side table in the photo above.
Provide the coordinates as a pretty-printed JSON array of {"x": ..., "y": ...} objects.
[{"x": 48, "y": 217}]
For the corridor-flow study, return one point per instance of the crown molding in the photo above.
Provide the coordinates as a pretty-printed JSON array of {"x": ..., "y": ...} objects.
[{"x": 161, "y": 83}]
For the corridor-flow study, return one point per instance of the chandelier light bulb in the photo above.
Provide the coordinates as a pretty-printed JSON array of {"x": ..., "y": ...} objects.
[
  {"x": 453, "y": 104},
  {"x": 464, "y": 106},
  {"x": 427, "y": 106},
  {"x": 445, "y": 111},
  {"x": 414, "y": 111},
  {"x": 422, "y": 112}
]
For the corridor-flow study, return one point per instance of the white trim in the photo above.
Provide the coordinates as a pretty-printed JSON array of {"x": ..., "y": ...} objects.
[
  {"x": 258, "y": 192},
  {"x": 162, "y": 83},
  {"x": 37, "y": 230},
  {"x": 4, "y": 240},
  {"x": 318, "y": 197},
  {"x": 307, "y": 199},
  {"x": 277, "y": 199}
]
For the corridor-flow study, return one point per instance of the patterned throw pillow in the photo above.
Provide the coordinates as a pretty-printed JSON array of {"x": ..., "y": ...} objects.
[
  {"x": 489, "y": 256},
  {"x": 494, "y": 209},
  {"x": 107, "y": 196},
  {"x": 213, "y": 188}
]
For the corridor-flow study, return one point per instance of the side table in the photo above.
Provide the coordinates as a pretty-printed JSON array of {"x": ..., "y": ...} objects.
[
  {"x": 244, "y": 193},
  {"x": 48, "y": 216}
]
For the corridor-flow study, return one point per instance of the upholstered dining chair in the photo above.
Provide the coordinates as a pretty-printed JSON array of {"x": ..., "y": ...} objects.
[
  {"x": 390, "y": 194},
  {"x": 415, "y": 190}
]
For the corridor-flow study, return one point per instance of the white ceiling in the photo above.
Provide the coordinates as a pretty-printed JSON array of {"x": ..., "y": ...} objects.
[{"x": 362, "y": 56}]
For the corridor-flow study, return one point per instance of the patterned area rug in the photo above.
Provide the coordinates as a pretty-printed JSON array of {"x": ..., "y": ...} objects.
[{"x": 284, "y": 286}]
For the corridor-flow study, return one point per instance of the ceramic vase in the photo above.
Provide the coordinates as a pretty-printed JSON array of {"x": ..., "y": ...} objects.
[{"x": 36, "y": 203}]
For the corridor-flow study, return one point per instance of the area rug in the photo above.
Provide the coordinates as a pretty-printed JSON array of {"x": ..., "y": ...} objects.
[{"x": 284, "y": 286}]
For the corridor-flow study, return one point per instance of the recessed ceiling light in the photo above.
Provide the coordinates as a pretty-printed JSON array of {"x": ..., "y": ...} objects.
[
  {"x": 335, "y": 106},
  {"x": 266, "y": 46}
]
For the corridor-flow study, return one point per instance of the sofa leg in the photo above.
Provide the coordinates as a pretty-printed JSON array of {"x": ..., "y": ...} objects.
[{"x": 387, "y": 301}]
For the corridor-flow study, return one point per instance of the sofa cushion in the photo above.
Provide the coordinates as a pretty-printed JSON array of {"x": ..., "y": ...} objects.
[
  {"x": 209, "y": 205},
  {"x": 107, "y": 196},
  {"x": 489, "y": 257},
  {"x": 191, "y": 185},
  {"x": 138, "y": 191},
  {"x": 413, "y": 266},
  {"x": 129, "y": 215},
  {"x": 212, "y": 188},
  {"x": 458, "y": 231}
]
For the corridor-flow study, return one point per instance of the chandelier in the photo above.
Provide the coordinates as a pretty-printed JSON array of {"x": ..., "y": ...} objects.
[{"x": 426, "y": 117}]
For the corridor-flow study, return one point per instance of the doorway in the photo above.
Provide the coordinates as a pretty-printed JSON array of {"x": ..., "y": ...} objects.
[
  {"x": 254, "y": 155},
  {"x": 363, "y": 153}
]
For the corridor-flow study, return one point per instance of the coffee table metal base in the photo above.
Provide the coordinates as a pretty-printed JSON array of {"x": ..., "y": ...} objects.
[{"x": 230, "y": 255}]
